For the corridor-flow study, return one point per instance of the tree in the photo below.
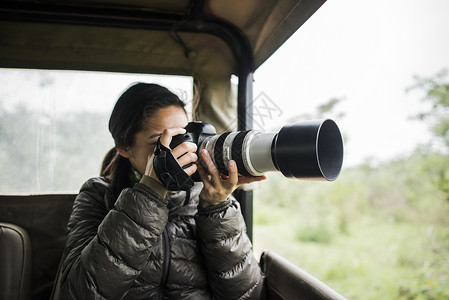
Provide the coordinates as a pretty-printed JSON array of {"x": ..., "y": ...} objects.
[
  {"x": 325, "y": 110},
  {"x": 436, "y": 91}
]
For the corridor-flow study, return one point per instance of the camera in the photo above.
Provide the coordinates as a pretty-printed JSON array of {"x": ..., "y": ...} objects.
[{"x": 306, "y": 150}]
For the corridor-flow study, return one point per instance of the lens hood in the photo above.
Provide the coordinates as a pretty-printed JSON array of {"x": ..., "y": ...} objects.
[{"x": 309, "y": 150}]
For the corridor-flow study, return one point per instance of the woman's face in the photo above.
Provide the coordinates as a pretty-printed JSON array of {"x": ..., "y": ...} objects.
[{"x": 145, "y": 140}]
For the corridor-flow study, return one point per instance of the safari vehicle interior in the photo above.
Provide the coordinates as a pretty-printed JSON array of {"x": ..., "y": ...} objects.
[{"x": 209, "y": 40}]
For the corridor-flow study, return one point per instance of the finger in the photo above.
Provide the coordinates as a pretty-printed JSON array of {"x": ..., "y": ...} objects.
[
  {"x": 192, "y": 169},
  {"x": 233, "y": 174},
  {"x": 184, "y": 148},
  {"x": 247, "y": 179},
  {"x": 187, "y": 159},
  {"x": 167, "y": 135},
  {"x": 210, "y": 166},
  {"x": 203, "y": 176},
  {"x": 149, "y": 166}
]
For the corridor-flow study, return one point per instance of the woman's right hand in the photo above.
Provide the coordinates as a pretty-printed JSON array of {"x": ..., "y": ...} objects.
[{"x": 185, "y": 153}]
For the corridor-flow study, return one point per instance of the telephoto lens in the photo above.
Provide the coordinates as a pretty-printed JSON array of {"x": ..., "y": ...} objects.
[{"x": 308, "y": 150}]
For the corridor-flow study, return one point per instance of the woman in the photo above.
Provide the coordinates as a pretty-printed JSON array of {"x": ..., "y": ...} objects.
[{"x": 131, "y": 238}]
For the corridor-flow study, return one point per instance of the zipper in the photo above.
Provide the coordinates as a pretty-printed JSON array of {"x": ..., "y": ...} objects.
[
  {"x": 166, "y": 250},
  {"x": 166, "y": 263}
]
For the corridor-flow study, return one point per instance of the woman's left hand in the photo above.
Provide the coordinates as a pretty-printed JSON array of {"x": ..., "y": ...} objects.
[{"x": 217, "y": 188}]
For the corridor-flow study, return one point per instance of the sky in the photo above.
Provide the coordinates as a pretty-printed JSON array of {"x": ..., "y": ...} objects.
[{"x": 367, "y": 54}]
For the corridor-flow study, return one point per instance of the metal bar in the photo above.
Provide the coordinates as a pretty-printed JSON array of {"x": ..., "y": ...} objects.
[
  {"x": 245, "y": 122},
  {"x": 244, "y": 100},
  {"x": 245, "y": 199}
]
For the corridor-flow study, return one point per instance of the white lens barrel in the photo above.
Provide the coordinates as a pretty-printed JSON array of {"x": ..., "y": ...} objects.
[{"x": 258, "y": 152}]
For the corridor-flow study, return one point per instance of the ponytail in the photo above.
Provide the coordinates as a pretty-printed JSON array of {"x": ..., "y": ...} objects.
[
  {"x": 117, "y": 169},
  {"x": 106, "y": 164}
]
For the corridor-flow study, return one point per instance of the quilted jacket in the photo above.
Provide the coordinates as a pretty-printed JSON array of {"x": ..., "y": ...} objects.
[{"x": 149, "y": 247}]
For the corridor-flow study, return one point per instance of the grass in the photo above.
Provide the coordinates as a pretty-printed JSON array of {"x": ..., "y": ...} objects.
[{"x": 365, "y": 243}]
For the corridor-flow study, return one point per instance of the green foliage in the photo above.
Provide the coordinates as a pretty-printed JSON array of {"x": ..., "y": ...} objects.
[
  {"x": 329, "y": 107},
  {"x": 375, "y": 233},
  {"x": 325, "y": 110},
  {"x": 319, "y": 233},
  {"x": 436, "y": 91}
]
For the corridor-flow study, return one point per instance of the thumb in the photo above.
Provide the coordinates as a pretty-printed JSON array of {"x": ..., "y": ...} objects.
[{"x": 149, "y": 170}]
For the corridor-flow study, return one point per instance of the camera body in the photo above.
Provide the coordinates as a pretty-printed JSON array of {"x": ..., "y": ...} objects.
[{"x": 196, "y": 132}]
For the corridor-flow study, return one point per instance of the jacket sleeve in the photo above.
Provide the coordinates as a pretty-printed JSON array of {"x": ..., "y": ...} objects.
[
  {"x": 106, "y": 251},
  {"x": 233, "y": 270}
]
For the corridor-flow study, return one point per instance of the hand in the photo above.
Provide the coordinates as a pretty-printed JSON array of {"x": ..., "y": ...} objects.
[
  {"x": 185, "y": 153},
  {"x": 217, "y": 188}
]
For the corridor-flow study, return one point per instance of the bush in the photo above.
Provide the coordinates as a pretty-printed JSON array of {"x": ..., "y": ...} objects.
[{"x": 376, "y": 233}]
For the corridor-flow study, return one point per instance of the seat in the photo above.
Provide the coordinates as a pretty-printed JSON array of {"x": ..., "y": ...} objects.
[
  {"x": 284, "y": 280},
  {"x": 15, "y": 262}
]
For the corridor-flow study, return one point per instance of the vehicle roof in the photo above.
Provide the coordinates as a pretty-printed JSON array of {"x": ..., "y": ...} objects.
[{"x": 134, "y": 35}]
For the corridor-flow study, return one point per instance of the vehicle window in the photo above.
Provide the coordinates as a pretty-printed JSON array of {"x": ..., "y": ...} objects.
[{"x": 54, "y": 125}]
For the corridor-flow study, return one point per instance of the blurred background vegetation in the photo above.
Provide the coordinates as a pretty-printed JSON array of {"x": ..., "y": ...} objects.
[
  {"x": 381, "y": 230},
  {"x": 41, "y": 152}
]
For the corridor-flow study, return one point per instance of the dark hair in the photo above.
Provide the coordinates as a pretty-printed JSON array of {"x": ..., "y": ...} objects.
[{"x": 134, "y": 106}]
